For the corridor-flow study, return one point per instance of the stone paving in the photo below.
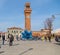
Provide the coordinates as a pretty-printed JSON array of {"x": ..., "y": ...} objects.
[{"x": 31, "y": 48}]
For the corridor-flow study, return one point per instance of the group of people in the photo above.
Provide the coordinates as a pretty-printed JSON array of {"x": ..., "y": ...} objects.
[
  {"x": 47, "y": 38},
  {"x": 10, "y": 39}
]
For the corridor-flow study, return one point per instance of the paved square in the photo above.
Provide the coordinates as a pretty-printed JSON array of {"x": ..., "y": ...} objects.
[{"x": 30, "y": 48}]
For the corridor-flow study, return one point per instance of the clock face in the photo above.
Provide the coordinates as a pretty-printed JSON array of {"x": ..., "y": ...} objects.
[{"x": 28, "y": 16}]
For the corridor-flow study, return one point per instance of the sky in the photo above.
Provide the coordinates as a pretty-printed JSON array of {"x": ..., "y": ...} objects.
[{"x": 12, "y": 13}]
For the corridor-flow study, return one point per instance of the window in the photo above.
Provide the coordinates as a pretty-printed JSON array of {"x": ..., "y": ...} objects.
[
  {"x": 8, "y": 31},
  {"x": 12, "y": 31},
  {"x": 20, "y": 31}
]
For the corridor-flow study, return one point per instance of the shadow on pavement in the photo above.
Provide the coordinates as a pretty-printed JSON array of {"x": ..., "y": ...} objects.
[
  {"x": 57, "y": 43},
  {"x": 26, "y": 51},
  {"x": 1, "y": 52},
  {"x": 15, "y": 44}
]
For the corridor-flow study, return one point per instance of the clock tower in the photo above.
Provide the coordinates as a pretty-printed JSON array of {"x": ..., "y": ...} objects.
[{"x": 27, "y": 12}]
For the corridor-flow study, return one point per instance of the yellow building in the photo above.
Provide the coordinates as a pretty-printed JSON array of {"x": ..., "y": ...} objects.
[{"x": 43, "y": 32}]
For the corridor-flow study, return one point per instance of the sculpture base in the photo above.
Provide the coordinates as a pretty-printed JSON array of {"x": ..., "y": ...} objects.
[{"x": 26, "y": 35}]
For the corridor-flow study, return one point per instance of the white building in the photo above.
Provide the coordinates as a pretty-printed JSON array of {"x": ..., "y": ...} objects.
[{"x": 14, "y": 31}]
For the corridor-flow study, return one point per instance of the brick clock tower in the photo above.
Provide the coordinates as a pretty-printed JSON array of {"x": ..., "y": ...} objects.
[{"x": 27, "y": 12}]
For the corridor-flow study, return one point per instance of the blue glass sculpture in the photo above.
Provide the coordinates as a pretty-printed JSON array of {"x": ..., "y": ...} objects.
[{"x": 26, "y": 35}]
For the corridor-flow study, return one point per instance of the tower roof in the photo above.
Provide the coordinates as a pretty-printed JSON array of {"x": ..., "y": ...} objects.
[{"x": 27, "y": 4}]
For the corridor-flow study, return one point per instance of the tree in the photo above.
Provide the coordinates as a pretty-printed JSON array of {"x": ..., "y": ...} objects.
[{"x": 49, "y": 23}]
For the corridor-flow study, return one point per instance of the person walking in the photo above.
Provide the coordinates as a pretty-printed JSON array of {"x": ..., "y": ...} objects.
[
  {"x": 0, "y": 40},
  {"x": 11, "y": 40},
  {"x": 45, "y": 38},
  {"x": 0, "y": 36},
  {"x": 42, "y": 38},
  {"x": 49, "y": 38},
  {"x": 8, "y": 37},
  {"x": 3, "y": 39},
  {"x": 17, "y": 37},
  {"x": 0, "y": 43}
]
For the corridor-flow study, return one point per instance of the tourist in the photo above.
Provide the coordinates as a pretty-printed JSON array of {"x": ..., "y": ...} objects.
[
  {"x": 45, "y": 38},
  {"x": 0, "y": 36},
  {"x": 56, "y": 38},
  {"x": 0, "y": 42},
  {"x": 20, "y": 37},
  {"x": 49, "y": 38},
  {"x": 8, "y": 37},
  {"x": 0, "y": 45},
  {"x": 11, "y": 39},
  {"x": 17, "y": 37},
  {"x": 3, "y": 39},
  {"x": 42, "y": 38}
]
